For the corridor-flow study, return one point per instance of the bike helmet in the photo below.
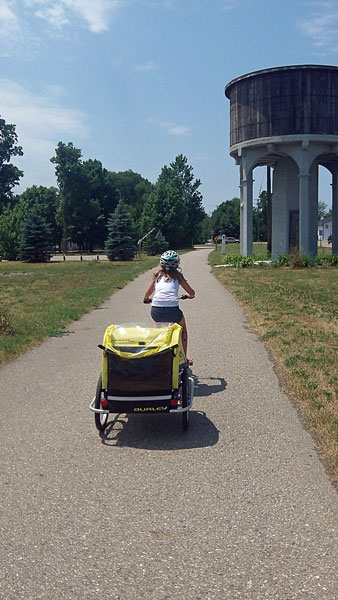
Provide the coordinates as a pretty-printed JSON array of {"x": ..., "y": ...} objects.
[{"x": 169, "y": 260}]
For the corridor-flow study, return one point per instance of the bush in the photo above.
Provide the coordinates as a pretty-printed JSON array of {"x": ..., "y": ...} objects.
[
  {"x": 300, "y": 260},
  {"x": 239, "y": 260}
]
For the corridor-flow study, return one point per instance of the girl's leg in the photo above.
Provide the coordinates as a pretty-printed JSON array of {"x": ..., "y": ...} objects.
[{"x": 184, "y": 335}]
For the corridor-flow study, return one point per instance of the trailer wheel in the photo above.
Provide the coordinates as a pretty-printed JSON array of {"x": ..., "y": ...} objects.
[
  {"x": 100, "y": 420},
  {"x": 185, "y": 399}
]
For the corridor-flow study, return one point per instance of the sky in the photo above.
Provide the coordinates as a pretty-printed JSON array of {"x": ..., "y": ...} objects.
[{"x": 134, "y": 83}]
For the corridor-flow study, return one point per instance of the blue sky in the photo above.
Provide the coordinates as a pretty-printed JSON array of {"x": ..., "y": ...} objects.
[{"x": 133, "y": 83}]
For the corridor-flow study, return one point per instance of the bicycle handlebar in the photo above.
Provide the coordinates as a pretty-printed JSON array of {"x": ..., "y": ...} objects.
[{"x": 182, "y": 297}]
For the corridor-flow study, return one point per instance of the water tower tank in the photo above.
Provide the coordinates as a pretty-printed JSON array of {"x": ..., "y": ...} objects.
[
  {"x": 286, "y": 118},
  {"x": 292, "y": 100}
]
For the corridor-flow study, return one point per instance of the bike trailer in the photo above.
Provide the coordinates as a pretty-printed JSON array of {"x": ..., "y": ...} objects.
[{"x": 144, "y": 370}]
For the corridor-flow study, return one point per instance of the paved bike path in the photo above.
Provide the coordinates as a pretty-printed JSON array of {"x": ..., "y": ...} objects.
[{"x": 239, "y": 507}]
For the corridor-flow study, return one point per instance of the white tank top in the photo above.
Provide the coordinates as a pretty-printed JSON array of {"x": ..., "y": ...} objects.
[{"x": 166, "y": 292}]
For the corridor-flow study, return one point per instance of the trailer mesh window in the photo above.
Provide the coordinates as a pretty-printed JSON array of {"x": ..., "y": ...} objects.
[{"x": 147, "y": 375}]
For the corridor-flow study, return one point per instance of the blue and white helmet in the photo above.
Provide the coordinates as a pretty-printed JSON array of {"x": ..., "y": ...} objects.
[{"x": 169, "y": 260}]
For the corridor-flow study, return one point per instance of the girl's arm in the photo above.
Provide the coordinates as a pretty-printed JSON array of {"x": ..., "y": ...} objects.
[
  {"x": 185, "y": 285},
  {"x": 149, "y": 292}
]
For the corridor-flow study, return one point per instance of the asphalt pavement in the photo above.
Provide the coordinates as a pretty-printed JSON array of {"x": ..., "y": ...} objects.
[{"x": 237, "y": 508}]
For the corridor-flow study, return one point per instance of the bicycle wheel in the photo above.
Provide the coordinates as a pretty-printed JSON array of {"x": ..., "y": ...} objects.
[
  {"x": 185, "y": 399},
  {"x": 101, "y": 420}
]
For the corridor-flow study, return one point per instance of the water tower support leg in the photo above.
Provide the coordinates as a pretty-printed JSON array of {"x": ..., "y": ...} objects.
[
  {"x": 304, "y": 213},
  {"x": 335, "y": 209},
  {"x": 246, "y": 212}
]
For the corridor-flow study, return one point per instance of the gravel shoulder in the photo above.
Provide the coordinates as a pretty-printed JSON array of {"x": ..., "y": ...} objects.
[{"x": 239, "y": 507}]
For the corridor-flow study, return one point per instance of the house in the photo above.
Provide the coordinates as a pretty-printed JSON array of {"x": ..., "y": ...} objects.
[{"x": 325, "y": 229}]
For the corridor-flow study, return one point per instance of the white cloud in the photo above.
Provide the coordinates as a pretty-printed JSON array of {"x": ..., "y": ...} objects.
[
  {"x": 9, "y": 26},
  {"x": 321, "y": 26},
  {"x": 58, "y": 13},
  {"x": 54, "y": 15},
  {"x": 8, "y": 17},
  {"x": 171, "y": 128},
  {"x": 17, "y": 33},
  {"x": 41, "y": 122}
]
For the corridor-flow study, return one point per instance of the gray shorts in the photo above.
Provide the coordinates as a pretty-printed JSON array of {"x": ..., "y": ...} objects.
[{"x": 166, "y": 314}]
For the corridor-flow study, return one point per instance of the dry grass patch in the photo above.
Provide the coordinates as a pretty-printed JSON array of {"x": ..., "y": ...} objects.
[{"x": 295, "y": 312}]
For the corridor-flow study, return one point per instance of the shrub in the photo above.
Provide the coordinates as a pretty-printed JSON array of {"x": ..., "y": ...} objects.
[
  {"x": 239, "y": 260},
  {"x": 283, "y": 260},
  {"x": 300, "y": 260}
]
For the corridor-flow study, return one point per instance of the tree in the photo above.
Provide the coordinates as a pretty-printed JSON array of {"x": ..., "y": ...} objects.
[
  {"x": 134, "y": 190},
  {"x": 165, "y": 210},
  {"x": 35, "y": 239},
  {"x": 11, "y": 220},
  {"x": 175, "y": 205},
  {"x": 89, "y": 194},
  {"x": 103, "y": 194},
  {"x": 155, "y": 243},
  {"x": 9, "y": 174},
  {"x": 67, "y": 162},
  {"x": 204, "y": 230},
  {"x": 323, "y": 211},
  {"x": 225, "y": 218},
  {"x": 120, "y": 243},
  {"x": 47, "y": 199},
  {"x": 189, "y": 192},
  {"x": 260, "y": 218}
]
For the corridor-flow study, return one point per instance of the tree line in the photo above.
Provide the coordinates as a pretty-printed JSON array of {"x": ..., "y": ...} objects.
[{"x": 91, "y": 206}]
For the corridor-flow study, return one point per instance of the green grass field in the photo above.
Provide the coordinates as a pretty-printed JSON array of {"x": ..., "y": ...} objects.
[
  {"x": 39, "y": 300},
  {"x": 295, "y": 312}
]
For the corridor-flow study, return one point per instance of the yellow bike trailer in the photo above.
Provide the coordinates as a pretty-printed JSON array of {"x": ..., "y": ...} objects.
[{"x": 144, "y": 371}]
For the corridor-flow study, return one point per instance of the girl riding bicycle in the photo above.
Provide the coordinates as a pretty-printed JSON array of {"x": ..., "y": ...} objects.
[{"x": 165, "y": 284}]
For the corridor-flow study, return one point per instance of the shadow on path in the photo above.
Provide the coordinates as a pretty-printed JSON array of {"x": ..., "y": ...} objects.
[
  {"x": 206, "y": 386},
  {"x": 160, "y": 432}
]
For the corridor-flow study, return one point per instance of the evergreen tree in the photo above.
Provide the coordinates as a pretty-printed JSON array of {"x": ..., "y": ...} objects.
[
  {"x": 35, "y": 239},
  {"x": 47, "y": 199},
  {"x": 120, "y": 243},
  {"x": 155, "y": 244}
]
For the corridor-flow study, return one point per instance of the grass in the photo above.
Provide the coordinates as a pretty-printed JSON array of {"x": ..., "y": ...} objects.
[
  {"x": 295, "y": 312},
  {"x": 40, "y": 300}
]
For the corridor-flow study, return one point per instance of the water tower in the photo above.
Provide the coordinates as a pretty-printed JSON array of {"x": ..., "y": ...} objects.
[{"x": 286, "y": 118}]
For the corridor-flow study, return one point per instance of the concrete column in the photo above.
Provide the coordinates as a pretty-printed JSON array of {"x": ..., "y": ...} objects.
[
  {"x": 285, "y": 197},
  {"x": 335, "y": 209},
  {"x": 304, "y": 213},
  {"x": 313, "y": 210},
  {"x": 246, "y": 187}
]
